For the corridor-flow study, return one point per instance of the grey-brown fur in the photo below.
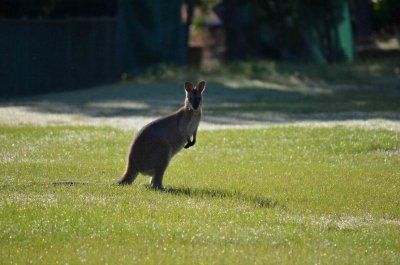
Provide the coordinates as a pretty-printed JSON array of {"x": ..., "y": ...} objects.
[{"x": 160, "y": 140}]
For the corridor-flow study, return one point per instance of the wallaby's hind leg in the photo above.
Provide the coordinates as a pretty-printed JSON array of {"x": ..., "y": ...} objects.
[
  {"x": 156, "y": 180},
  {"x": 129, "y": 176}
]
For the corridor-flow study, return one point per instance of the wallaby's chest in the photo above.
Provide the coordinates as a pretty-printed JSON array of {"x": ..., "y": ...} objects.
[{"x": 189, "y": 124}]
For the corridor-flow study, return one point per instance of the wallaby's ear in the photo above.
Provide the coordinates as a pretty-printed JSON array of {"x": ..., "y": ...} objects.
[
  {"x": 201, "y": 86},
  {"x": 188, "y": 87}
]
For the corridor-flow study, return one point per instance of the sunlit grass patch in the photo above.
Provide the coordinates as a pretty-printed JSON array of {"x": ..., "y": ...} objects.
[{"x": 275, "y": 195}]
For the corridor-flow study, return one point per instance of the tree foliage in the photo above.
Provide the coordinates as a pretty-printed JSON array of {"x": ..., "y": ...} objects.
[
  {"x": 386, "y": 15},
  {"x": 56, "y": 8},
  {"x": 290, "y": 30}
]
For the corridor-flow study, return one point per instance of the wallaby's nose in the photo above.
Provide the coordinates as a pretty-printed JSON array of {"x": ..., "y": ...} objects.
[{"x": 195, "y": 104}]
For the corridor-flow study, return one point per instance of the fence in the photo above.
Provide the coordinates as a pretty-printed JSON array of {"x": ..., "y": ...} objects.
[{"x": 39, "y": 56}]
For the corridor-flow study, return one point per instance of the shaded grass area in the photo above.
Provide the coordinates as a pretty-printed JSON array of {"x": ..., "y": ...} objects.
[
  {"x": 367, "y": 101},
  {"x": 385, "y": 71},
  {"x": 290, "y": 90},
  {"x": 277, "y": 195}
]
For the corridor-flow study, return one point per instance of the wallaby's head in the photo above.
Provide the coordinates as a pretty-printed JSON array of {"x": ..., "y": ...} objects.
[{"x": 194, "y": 95}]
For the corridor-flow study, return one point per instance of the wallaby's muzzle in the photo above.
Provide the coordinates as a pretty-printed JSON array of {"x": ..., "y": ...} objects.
[{"x": 194, "y": 103}]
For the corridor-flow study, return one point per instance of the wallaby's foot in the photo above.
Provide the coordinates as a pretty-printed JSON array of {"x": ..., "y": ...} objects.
[
  {"x": 154, "y": 184},
  {"x": 152, "y": 187},
  {"x": 156, "y": 187}
]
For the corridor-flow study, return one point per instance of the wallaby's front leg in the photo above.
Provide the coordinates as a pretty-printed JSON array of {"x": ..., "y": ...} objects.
[{"x": 191, "y": 142}]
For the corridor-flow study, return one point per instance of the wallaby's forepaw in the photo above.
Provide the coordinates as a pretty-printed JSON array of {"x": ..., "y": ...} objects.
[{"x": 189, "y": 144}]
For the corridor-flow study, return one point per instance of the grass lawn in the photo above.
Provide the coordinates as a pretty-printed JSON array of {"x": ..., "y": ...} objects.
[{"x": 283, "y": 195}]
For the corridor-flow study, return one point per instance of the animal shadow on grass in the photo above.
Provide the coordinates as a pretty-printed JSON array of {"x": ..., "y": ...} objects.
[{"x": 215, "y": 193}]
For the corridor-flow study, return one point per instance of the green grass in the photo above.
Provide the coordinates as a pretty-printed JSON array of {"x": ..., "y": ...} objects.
[{"x": 280, "y": 195}]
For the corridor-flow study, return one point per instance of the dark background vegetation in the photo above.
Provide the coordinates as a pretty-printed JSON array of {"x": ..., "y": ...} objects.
[
  {"x": 384, "y": 13},
  {"x": 41, "y": 9},
  {"x": 54, "y": 45}
]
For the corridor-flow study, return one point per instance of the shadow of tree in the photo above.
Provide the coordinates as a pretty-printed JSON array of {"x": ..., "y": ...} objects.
[
  {"x": 258, "y": 201},
  {"x": 225, "y": 102}
]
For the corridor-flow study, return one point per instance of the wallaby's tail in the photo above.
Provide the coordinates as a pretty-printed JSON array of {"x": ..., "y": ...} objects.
[{"x": 129, "y": 176}]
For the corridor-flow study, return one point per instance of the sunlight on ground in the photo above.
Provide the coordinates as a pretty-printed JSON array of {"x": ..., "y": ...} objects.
[
  {"x": 25, "y": 116},
  {"x": 119, "y": 104}
]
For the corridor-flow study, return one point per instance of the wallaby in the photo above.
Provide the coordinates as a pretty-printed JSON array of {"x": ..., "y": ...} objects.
[{"x": 160, "y": 140}]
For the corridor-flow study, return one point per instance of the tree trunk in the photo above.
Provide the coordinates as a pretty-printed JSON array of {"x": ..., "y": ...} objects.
[
  {"x": 362, "y": 12},
  {"x": 235, "y": 48}
]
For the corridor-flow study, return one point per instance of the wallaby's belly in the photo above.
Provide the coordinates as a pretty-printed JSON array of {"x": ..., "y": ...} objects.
[
  {"x": 159, "y": 141},
  {"x": 154, "y": 149}
]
